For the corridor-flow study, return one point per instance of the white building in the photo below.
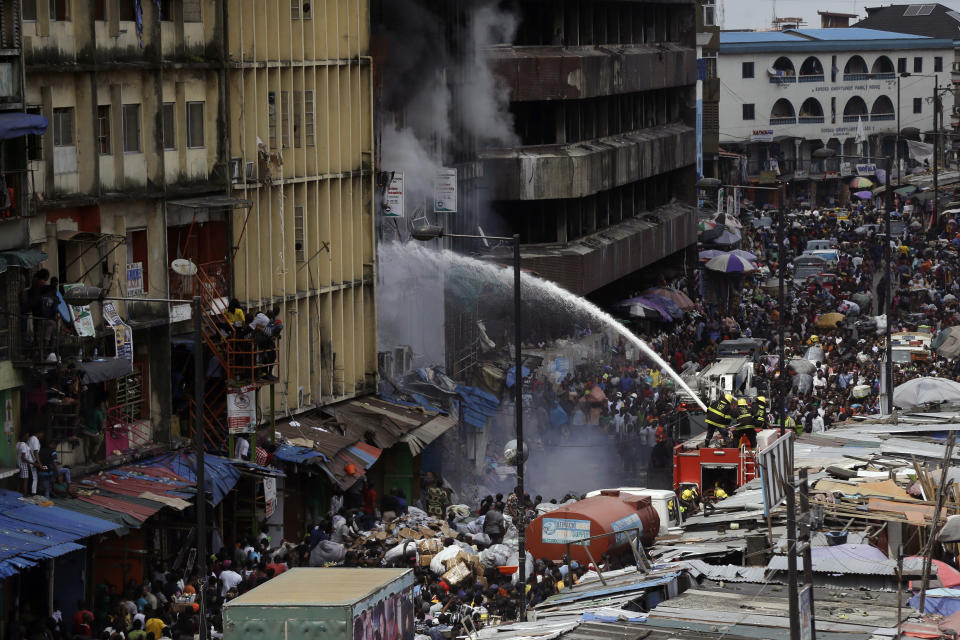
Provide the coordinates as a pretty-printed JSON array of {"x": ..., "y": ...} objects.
[{"x": 784, "y": 94}]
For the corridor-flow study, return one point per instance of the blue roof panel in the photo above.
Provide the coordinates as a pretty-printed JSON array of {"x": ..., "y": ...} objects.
[
  {"x": 856, "y": 33},
  {"x": 731, "y": 37}
]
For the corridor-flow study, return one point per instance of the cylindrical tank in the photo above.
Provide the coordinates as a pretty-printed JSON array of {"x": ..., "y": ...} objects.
[{"x": 608, "y": 512}]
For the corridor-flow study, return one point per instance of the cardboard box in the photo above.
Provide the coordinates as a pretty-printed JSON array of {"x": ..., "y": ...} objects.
[
  {"x": 457, "y": 574},
  {"x": 425, "y": 559},
  {"x": 430, "y": 545}
]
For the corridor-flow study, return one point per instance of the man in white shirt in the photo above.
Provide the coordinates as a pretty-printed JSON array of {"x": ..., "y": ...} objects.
[
  {"x": 25, "y": 461},
  {"x": 229, "y": 579},
  {"x": 34, "y": 443}
]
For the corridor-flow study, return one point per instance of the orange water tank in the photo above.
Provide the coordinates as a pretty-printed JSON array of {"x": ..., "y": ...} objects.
[{"x": 608, "y": 512}]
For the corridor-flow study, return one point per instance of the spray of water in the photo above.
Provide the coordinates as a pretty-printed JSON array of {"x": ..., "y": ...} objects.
[{"x": 531, "y": 287}]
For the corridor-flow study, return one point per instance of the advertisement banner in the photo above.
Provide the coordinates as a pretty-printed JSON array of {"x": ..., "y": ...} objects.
[
  {"x": 82, "y": 319},
  {"x": 269, "y": 496},
  {"x": 135, "y": 279},
  {"x": 242, "y": 410},
  {"x": 123, "y": 334},
  {"x": 445, "y": 191},
  {"x": 564, "y": 530},
  {"x": 393, "y": 200},
  {"x": 628, "y": 525},
  {"x": 761, "y": 135},
  {"x": 868, "y": 169}
]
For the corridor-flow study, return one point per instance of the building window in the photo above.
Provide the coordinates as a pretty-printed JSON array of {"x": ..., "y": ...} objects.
[
  {"x": 747, "y": 70},
  {"x": 30, "y": 10},
  {"x": 59, "y": 9},
  {"x": 298, "y": 234},
  {"x": 63, "y": 127},
  {"x": 34, "y": 141},
  {"x": 99, "y": 10},
  {"x": 195, "y": 125},
  {"x": 103, "y": 129},
  {"x": 918, "y": 105},
  {"x": 901, "y": 65},
  {"x": 191, "y": 11},
  {"x": 272, "y": 118},
  {"x": 709, "y": 14},
  {"x": 131, "y": 128},
  {"x": 937, "y": 64},
  {"x": 295, "y": 9},
  {"x": 918, "y": 65},
  {"x": 709, "y": 66},
  {"x": 298, "y": 118},
  {"x": 166, "y": 11},
  {"x": 126, "y": 12},
  {"x": 308, "y": 132},
  {"x": 285, "y": 119},
  {"x": 168, "y": 112},
  {"x": 748, "y": 112}
]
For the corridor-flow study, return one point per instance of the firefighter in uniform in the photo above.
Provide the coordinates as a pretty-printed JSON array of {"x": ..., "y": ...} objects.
[
  {"x": 718, "y": 416},
  {"x": 744, "y": 424},
  {"x": 760, "y": 412}
]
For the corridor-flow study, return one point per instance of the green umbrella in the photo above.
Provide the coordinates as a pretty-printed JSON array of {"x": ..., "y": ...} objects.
[{"x": 906, "y": 190}]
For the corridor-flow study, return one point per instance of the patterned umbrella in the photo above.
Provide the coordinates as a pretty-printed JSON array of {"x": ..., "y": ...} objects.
[
  {"x": 864, "y": 195},
  {"x": 706, "y": 225},
  {"x": 860, "y": 183},
  {"x": 679, "y": 298},
  {"x": 729, "y": 263},
  {"x": 711, "y": 253}
]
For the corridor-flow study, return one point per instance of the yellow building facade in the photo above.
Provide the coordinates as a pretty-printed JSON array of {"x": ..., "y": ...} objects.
[{"x": 236, "y": 134}]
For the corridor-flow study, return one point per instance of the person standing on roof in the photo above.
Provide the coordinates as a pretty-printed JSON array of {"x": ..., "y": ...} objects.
[
  {"x": 760, "y": 412},
  {"x": 744, "y": 424},
  {"x": 718, "y": 416}
]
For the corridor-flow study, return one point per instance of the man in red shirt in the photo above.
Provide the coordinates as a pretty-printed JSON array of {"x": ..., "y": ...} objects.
[{"x": 78, "y": 617}]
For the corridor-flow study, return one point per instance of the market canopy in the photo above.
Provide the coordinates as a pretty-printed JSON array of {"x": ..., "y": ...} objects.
[
  {"x": 730, "y": 263},
  {"x": 926, "y": 390}
]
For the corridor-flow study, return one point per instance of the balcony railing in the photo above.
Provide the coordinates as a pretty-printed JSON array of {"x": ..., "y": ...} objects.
[
  {"x": 876, "y": 117},
  {"x": 810, "y": 119},
  {"x": 857, "y": 116},
  {"x": 27, "y": 340},
  {"x": 853, "y": 77},
  {"x": 784, "y": 120},
  {"x": 782, "y": 79},
  {"x": 811, "y": 78}
]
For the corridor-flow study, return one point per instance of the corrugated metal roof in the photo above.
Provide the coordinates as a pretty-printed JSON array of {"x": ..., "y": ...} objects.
[
  {"x": 850, "y": 559},
  {"x": 729, "y": 572}
]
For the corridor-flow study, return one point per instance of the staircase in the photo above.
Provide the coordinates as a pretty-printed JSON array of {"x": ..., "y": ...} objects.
[{"x": 237, "y": 356}]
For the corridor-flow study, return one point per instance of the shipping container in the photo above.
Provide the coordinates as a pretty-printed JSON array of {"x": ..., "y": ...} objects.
[
  {"x": 329, "y": 603},
  {"x": 618, "y": 514}
]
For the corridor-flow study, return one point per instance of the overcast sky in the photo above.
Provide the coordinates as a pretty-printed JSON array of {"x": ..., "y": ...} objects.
[{"x": 753, "y": 14}]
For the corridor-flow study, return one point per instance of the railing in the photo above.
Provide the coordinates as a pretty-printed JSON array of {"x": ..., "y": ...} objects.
[
  {"x": 810, "y": 119},
  {"x": 782, "y": 79},
  {"x": 811, "y": 78},
  {"x": 857, "y": 116},
  {"x": 853, "y": 77},
  {"x": 124, "y": 420},
  {"x": 875, "y": 117},
  {"x": 785, "y": 120},
  {"x": 15, "y": 182},
  {"x": 887, "y": 75},
  {"x": 634, "y": 543},
  {"x": 21, "y": 337}
]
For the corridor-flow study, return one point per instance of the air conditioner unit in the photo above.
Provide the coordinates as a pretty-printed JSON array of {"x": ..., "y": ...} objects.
[
  {"x": 251, "y": 172},
  {"x": 235, "y": 164}
]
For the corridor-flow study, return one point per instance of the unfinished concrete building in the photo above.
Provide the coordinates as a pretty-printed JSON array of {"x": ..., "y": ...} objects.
[{"x": 603, "y": 99}]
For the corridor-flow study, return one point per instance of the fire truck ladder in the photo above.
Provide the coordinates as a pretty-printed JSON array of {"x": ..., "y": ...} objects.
[{"x": 747, "y": 467}]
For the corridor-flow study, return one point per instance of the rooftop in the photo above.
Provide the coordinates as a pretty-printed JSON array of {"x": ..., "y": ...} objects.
[{"x": 840, "y": 39}]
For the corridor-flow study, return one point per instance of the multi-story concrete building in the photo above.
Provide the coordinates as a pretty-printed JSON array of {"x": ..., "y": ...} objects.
[
  {"x": 708, "y": 89},
  {"x": 603, "y": 99},
  {"x": 234, "y": 135},
  {"x": 786, "y": 94}
]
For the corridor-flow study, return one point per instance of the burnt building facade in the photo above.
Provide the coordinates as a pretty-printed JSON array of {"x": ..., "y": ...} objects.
[{"x": 600, "y": 180}]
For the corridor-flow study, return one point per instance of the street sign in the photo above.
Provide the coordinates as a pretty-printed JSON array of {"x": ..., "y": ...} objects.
[
  {"x": 393, "y": 200},
  {"x": 776, "y": 468},
  {"x": 445, "y": 191}
]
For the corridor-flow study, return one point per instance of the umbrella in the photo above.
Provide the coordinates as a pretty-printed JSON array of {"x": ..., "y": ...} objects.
[
  {"x": 706, "y": 225},
  {"x": 906, "y": 190},
  {"x": 947, "y": 342},
  {"x": 679, "y": 298},
  {"x": 664, "y": 304},
  {"x": 864, "y": 195},
  {"x": 711, "y": 253},
  {"x": 799, "y": 365},
  {"x": 650, "y": 309},
  {"x": 849, "y": 307},
  {"x": 829, "y": 320},
  {"x": 727, "y": 237},
  {"x": 863, "y": 298},
  {"x": 746, "y": 255},
  {"x": 920, "y": 391},
  {"x": 729, "y": 263},
  {"x": 861, "y": 183}
]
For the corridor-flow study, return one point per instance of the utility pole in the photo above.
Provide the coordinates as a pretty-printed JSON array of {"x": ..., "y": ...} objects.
[
  {"x": 936, "y": 150},
  {"x": 888, "y": 303},
  {"x": 781, "y": 364},
  {"x": 794, "y": 589},
  {"x": 805, "y": 526},
  {"x": 941, "y": 496}
]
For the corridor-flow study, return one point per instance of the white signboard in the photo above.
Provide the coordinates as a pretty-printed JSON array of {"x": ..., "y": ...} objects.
[
  {"x": 564, "y": 530},
  {"x": 82, "y": 319},
  {"x": 242, "y": 410},
  {"x": 135, "y": 279},
  {"x": 393, "y": 200},
  {"x": 868, "y": 169},
  {"x": 445, "y": 191},
  {"x": 846, "y": 168},
  {"x": 123, "y": 334},
  {"x": 181, "y": 312},
  {"x": 761, "y": 135},
  {"x": 269, "y": 496},
  {"x": 776, "y": 469}
]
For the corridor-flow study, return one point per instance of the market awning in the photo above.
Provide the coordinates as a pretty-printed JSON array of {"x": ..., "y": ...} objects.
[
  {"x": 15, "y": 125},
  {"x": 418, "y": 439},
  {"x": 105, "y": 369},
  {"x": 26, "y": 258}
]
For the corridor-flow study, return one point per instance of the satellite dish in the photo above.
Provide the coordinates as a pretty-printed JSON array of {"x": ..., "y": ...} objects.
[
  {"x": 184, "y": 267},
  {"x": 510, "y": 453}
]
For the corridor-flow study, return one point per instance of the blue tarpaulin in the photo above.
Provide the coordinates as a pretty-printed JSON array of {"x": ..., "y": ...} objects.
[
  {"x": 297, "y": 455},
  {"x": 30, "y": 533},
  {"x": 476, "y": 405},
  {"x": 512, "y": 373},
  {"x": 14, "y": 125},
  {"x": 221, "y": 475},
  {"x": 945, "y": 602}
]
